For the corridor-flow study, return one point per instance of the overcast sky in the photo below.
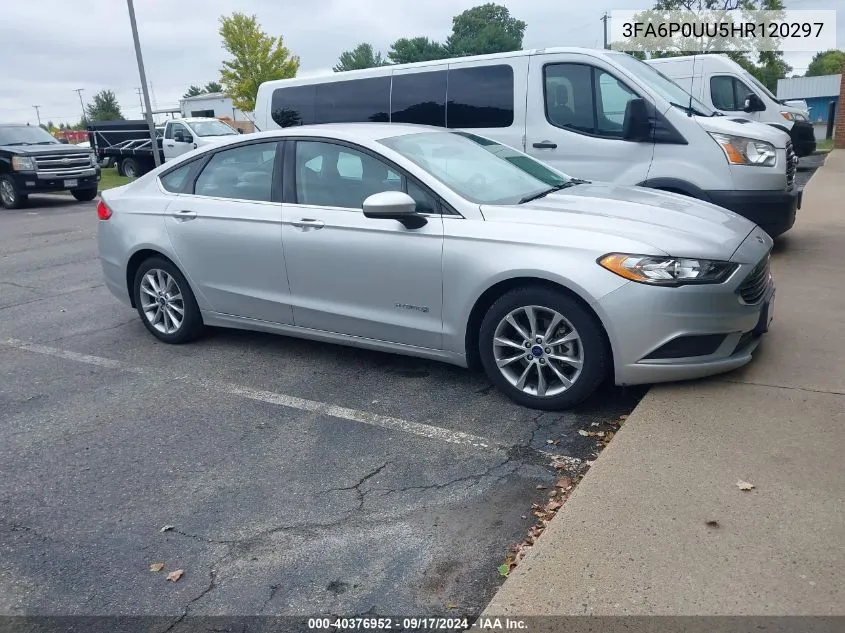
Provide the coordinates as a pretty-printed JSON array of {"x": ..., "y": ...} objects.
[{"x": 51, "y": 47}]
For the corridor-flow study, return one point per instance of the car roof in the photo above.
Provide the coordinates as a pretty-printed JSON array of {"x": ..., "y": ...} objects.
[{"x": 360, "y": 132}]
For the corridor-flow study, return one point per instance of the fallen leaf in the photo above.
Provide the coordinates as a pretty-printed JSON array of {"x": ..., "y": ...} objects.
[
  {"x": 744, "y": 485},
  {"x": 599, "y": 433},
  {"x": 541, "y": 487},
  {"x": 174, "y": 576},
  {"x": 623, "y": 417},
  {"x": 583, "y": 432},
  {"x": 554, "y": 505},
  {"x": 504, "y": 570},
  {"x": 550, "y": 441},
  {"x": 451, "y": 605},
  {"x": 515, "y": 547},
  {"x": 552, "y": 493},
  {"x": 167, "y": 528},
  {"x": 156, "y": 566},
  {"x": 594, "y": 424},
  {"x": 563, "y": 482},
  {"x": 713, "y": 524}
]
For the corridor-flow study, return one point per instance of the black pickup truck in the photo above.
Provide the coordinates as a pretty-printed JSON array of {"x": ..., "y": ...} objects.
[{"x": 33, "y": 161}]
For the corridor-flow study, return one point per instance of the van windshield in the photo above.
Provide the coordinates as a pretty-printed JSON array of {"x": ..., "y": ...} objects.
[
  {"x": 748, "y": 76},
  {"x": 662, "y": 85},
  {"x": 477, "y": 168},
  {"x": 212, "y": 128}
]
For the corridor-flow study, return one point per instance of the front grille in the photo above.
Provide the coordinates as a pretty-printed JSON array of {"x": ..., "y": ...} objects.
[
  {"x": 791, "y": 165},
  {"x": 63, "y": 162},
  {"x": 754, "y": 287}
]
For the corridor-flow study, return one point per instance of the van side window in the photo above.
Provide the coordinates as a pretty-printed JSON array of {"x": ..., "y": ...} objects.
[
  {"x": 728, "y": 93},
  {"x": 357, "y": 100},
  {"x": 293, "y": 106},
  {"x": 586, "y": 99},
  {"x": 480, "y": 97},
  {"x": 419, "y": 98}
]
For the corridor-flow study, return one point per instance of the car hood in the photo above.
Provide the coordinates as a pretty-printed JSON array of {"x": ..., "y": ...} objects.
[
  {"x": 670, "y": 223},
  {"x": 35, "y": 150},
  {"x": 739, "y": 126}
]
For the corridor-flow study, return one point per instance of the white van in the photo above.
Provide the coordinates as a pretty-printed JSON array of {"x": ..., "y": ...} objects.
[
  {"x": 595, "y": 114},
  {"x": 724, "y": 85}
]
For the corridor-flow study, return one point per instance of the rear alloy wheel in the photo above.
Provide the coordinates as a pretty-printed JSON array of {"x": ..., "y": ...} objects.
[
  {"x": 543, "y": 349},
  {"x": 9, "y": 196},
  {"x": 165, "y": 302},
  {"x": 84, "y": 195}
]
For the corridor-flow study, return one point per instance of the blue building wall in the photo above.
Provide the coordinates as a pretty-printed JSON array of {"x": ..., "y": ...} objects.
[{"x": 819, "y": 108}]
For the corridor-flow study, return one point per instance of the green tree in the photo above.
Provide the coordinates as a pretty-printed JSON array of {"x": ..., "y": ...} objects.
[
  {"x": 104, "y": 107},
  {"x": 193, "y": 91},
  {"x": 826, "y": 63},
  {"x": 487, "y": 28},
  {"x": 416, "y": 49},
  {"x": 362, "y": 56},
  {"x": 256, "y": 58},
  {"x": 212, "y": 86}
]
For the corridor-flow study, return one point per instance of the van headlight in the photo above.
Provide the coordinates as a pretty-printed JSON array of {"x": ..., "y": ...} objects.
[
  {"x": 746, "y": 151},
  {"x": 23, "y": 163},
  {"x": 667, "y": 271}
]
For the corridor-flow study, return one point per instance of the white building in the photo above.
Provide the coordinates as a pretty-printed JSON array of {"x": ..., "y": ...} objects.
[{"x": 212, "y": 104}]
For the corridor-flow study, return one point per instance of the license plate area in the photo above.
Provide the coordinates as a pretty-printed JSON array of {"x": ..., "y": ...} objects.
[{"x": 71, "y": 183}]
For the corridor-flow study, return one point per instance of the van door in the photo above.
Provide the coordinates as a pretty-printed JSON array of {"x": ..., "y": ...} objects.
[
  {"x": 575, "y": 111},
  {"x": 728, "y": 94}
]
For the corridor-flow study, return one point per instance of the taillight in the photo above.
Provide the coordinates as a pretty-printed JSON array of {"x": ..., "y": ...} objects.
[{"x": 103, "y": 211}]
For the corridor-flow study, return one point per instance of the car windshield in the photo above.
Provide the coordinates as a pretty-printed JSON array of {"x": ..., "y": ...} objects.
[
  {"x": 662, "y": 85},
  {"x": 476, "y": 168},
  {"x": 212, "y": 128},
  {"x": 25, "y": 135}
]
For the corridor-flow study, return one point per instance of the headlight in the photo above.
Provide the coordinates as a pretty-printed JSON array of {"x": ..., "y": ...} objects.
[
  {"x": 667, "y": 271},
  {"x": 746, "y": 151},
  {"x": 23, "y": 163},
  {"x": 799, "y": 117},
  {"x": 93, "y": 159}
]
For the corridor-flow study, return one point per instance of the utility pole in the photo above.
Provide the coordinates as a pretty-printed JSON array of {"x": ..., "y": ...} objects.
[
  {"x": 140, "y": 100},
  {"x": 78, "y": 91},
  {"x": 604, "y": 19},
  {"x": 38, "y": 114},
  {"x": 149, "y": 110}
]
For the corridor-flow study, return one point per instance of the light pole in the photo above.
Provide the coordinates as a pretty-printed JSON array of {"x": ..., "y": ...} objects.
[
  {"x": 38, "y": 114},
  {"x": 78, "y": 91},
  {"x": 149, "y": 114}
]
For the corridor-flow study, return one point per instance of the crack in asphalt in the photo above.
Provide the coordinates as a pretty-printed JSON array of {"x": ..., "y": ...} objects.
[
  {"x": 273, "y": 590},
  {"x": 211, "y": 585},
  {"x": 361, "y": 482}
]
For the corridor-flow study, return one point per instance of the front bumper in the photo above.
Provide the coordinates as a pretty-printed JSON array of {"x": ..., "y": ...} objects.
[
  {"x": 40, "y": 182},
  {"x": 666, "y": 334},
  {"x": 773, "y": 211}
]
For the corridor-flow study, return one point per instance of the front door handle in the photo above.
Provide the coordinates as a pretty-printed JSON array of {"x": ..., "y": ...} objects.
[
  {"x": 183, "y": 215},
  {"x": 308, "y": 223},
  {"x": 545, "y": 145}
]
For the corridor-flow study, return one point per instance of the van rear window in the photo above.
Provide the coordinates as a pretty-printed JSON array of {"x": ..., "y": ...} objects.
[
  {"x": 419, "y": 98},
  {"x": 350, "y": 101},
  {"x": 480, "y": 97}
]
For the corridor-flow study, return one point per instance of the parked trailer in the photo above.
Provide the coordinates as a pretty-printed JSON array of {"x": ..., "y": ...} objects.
[{"x": 126, "y": 144}]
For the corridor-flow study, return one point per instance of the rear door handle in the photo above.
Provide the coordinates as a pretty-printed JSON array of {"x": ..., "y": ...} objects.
[
  {"x": 545, "y": 145},
  {"x": 308, "y": 223},
  {"x": 183, "y": 215}
]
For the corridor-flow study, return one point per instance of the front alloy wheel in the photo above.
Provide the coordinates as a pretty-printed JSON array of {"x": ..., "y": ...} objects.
[
  {"x": 543, "y": 348},
  {"x": 165, "y": 302}
]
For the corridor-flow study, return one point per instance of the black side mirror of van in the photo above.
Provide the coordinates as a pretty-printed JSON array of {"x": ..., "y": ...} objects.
[
  {"x": 636, "y": 125},
  {"x": 753, "y": 103}
]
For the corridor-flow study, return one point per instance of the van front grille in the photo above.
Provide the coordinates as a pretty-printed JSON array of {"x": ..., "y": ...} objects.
[{"x": 754, "y": 288}]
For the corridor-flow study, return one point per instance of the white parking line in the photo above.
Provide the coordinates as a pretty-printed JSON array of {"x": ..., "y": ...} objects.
[{"x": 292, "y": 402}]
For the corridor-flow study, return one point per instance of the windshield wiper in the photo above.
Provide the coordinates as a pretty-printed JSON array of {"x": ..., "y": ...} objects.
[
  {"x": 46, "y": 143},
  {"x": 564, "y": 185},
  {"x": 19, "y": 143}
]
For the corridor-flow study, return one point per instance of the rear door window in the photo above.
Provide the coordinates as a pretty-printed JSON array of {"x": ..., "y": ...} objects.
[
  {"x": 419, "y": 98},
  {"x": 480, "y": 97}
]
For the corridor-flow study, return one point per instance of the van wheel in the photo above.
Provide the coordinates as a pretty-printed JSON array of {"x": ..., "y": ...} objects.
[
  {"x": 129, "y": 168},
  {"x": 543, "y": 349},
  {"x": 165, "y": 302},
  {"x": 84, "y": 195},
  {"x": 9, "y": 196}
]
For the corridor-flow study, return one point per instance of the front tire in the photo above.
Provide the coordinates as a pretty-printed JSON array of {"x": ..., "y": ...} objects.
[
  {"x": 543, "y": 349},
  {"x": 165, "y": 302},
  {"x": 84, "y": 195},
  {"x": 10, "y": 198}
]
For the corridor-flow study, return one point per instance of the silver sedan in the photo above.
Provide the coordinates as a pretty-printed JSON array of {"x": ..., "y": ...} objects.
[{"x": 439, "y": 244}]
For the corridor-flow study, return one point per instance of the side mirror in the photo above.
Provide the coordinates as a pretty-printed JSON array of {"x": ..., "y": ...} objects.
[
  {"x": 637, "y": 125},
  {"x": 188, "y": 139},
  {"x": 64, "y": 141},
  {"x": 394, "y": 205},
  {"x": 179, "y": 137},
  {"x": 753, "y": 103}
]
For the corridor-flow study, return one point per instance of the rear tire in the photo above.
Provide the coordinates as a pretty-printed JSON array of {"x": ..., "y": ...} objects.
[
  {"x": 10, "y": 198},
  {"x": 130, "y": 168},
  {"x": 543, "y": 349},
  {"x": 165, "y": 302},
  {"x": 84, "y": 195}
]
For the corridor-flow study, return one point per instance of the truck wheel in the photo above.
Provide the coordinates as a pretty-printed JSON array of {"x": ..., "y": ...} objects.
[
  {"x": 84, "y": 195},
  {"x": 9, "y": 196},
  {"x": 129, "y": 168}
]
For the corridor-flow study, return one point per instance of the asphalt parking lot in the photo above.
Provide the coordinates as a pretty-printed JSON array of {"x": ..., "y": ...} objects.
[{"x": 293, "y": 477}]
